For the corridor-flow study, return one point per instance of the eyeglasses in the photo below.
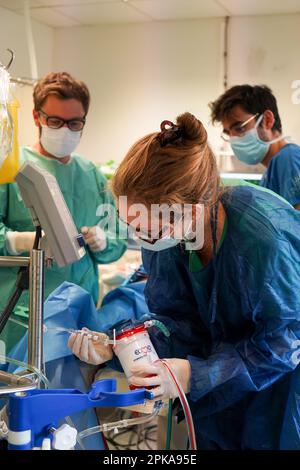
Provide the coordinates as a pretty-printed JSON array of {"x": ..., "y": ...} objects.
[
  {"x": 149, "y": 237},
  {"x": 156, "y": 233},
  {"x": 238, "y": 129},
  {"x": 55, "y": 122}
]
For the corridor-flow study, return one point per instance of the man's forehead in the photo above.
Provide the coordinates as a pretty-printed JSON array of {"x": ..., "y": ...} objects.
[
  {"x": 67, "y": 107},
  {"x": 236, "y": 114}
]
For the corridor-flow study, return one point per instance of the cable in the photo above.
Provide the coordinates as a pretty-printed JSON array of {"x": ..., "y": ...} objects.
[
  {"x": 22, "y": 284},
  {"x": 9, "y": 308},
  {"x": 136, "y": 437},
  {"x": 142, "y": 436},
  {"x": 169, "y": 426},
  {"x": 104, "y": 441}
]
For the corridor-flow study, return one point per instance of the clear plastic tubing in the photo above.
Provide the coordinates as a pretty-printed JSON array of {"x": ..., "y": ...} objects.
[{"x": 123, "y": 423}]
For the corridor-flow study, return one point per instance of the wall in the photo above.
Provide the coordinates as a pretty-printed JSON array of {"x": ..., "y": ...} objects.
[
  {"x": 265, "y": 50},
  {"x": 13, "y": 36},
  {"x": 139, "y": 75},
  {"x": 144, "y": 73}
]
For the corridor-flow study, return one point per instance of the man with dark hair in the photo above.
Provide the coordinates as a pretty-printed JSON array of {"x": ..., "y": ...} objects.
[
  {"x": 61, "y": 105},
  {"x": 251, "y": 123}
]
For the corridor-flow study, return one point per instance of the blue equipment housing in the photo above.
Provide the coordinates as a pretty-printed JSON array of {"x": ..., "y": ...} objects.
[{"x": 40, "y": 410}]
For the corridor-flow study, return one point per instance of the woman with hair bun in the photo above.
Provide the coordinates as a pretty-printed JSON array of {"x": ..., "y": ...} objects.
[{"x": 227, "y": 289}]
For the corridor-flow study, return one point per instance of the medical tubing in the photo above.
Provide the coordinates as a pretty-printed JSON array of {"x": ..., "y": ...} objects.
[
  {"x": 44, "y": 379},
  {"x": 40, "y": 374},
  {"x": 69, "y": 421},
  {"x": 169, "y": 425},
  {"x": 159, "y": 325},
  {"x": 9, "y": 308},
  {"x": 185, "y": 406},
  {"x": 122, "y": 423},
  {"x": 18, "y": 322}
]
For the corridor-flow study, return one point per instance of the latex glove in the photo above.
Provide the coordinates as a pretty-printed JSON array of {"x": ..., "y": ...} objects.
[
  {"x": 19, "y": 242},
  {"x": 156, "y": 375},
  {"x": 88, "y": 346},
  {"x": 94, "y": 237},
  {"x": 3, "y": 424}
]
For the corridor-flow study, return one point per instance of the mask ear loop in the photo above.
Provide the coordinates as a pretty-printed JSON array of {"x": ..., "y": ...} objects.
[
  {"x": 259, "y": 120},
  {"x": 273, "y": 141}
]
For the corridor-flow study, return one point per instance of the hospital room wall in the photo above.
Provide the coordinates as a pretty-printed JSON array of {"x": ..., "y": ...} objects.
[
  {"x": 265, "y": 50},
  {"x": 140, "y": 74},
  {"x": 13, "y": 36}
]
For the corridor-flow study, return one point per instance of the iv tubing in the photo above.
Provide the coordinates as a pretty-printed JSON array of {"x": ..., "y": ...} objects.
[
  {"x": 185, "y": 406},
  {"x": 26, "y": 366},
  {"x": 123, "y": 423}
]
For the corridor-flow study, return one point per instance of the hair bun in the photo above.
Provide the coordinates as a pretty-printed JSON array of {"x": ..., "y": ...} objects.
[{"x": 191, "y": 128}]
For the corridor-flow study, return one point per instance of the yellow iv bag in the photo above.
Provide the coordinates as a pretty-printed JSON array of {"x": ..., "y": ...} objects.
[{"x": 11, "y": 163}]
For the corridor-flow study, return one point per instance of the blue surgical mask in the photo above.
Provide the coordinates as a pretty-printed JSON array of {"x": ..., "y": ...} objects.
[
  {"x": 166, "y": 241},
  {"x": 158, "y": 245},
  {"x": 250, "y": 148}
]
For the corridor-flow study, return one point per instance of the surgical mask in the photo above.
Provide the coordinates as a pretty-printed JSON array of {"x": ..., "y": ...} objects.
[
  {"x": 250, "y": 148},
  {"x": 158, "y": 245},
  {"x": 162, "y": 243},
  {"x": 167, "y": 241},
  {"x": 59, "y": 142}
]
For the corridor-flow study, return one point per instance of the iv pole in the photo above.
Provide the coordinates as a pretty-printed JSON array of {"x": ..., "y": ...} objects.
[{"x": 35, "y": 265}]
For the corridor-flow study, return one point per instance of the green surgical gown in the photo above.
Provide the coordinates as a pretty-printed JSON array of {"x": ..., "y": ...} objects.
[{"x": 84, "y": 189}]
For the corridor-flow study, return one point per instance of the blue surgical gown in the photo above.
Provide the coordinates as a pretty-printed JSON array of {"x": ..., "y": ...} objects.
[
  {"x": 237, "y": 321},
  {"x": 283, "y": 174}
]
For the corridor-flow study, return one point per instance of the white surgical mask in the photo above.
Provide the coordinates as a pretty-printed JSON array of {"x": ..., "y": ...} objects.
[{"x": 59, "y": 142}]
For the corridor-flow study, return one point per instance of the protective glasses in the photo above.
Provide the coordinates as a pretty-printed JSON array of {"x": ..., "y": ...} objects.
[
  {"x": 150, "y": 237},
  {"x": 238, "y": 129},
  {"x": 55, "y": 122}
]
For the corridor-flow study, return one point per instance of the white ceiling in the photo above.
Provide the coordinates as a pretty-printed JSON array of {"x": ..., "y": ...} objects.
[{"x": 64, "y": 13}]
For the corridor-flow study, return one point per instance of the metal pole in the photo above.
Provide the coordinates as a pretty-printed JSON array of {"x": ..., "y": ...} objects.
[
  {"x": 14, "y": 261},
  {"x": 36, "y": 310}
]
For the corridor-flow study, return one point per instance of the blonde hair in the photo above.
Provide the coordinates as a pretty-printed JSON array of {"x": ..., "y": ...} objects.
[{"x": 174, "y": 166}]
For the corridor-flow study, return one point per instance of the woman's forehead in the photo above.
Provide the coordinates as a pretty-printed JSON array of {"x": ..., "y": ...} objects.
[{"x": 142, "y": 216}]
